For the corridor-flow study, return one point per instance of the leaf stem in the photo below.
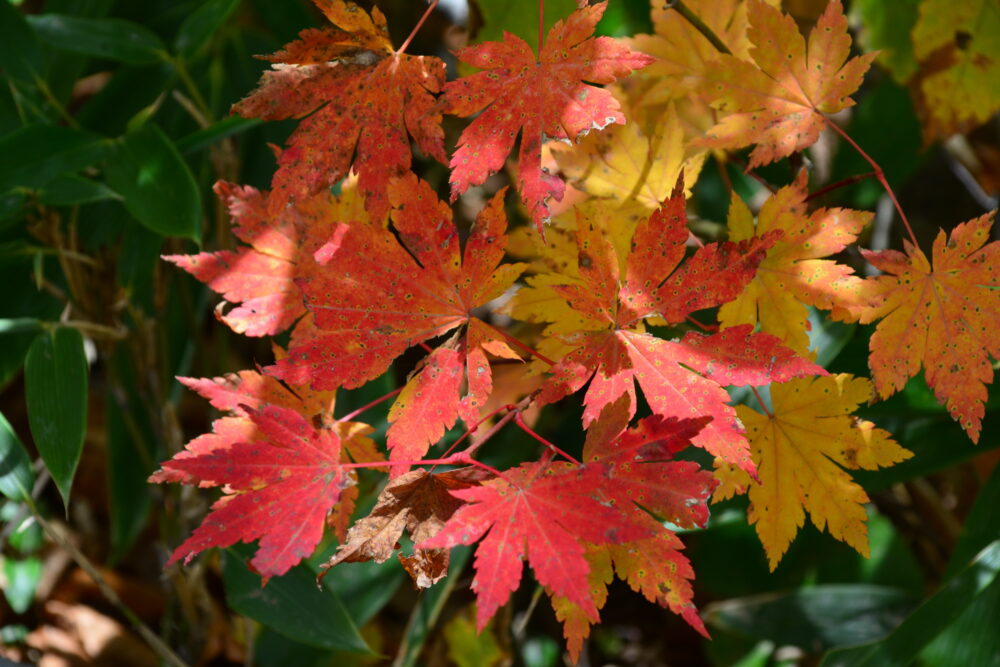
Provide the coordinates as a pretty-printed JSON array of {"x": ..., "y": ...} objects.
[
  {"x": 519, "y": 420},
  {"x": 699, "y": 25},
  {"x": 354, "y": 413},
  {"x": 541, "y": 26},
  {"x": 519, "y": 345},
  {"x": 839, "y": 184},
  {"x": 472, "y": 429},
  {"x": 417, "y": 27},
  {"x": 760, "y": 400},
  {"x": 879, "y": 174},
  {"x": 704, "y": 327}
]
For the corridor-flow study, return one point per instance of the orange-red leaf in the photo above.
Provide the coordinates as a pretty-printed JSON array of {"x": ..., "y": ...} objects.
[
  {"x": 777, "y": 101},
  {"x": 943, "y": 316},
  {"x": 679, "y": 379},
  {"x": 361, "y": 102},
  {"x": 640, "y": 472},
  {"x": 380, "y": 293},
  {"x": 540, "y": 97},
  {"x": 792, "y": 274},
  {"x": 260, "y": 277}
]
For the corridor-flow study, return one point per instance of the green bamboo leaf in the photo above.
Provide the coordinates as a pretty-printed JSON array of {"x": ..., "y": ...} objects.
[
  {"x": 16, "y": 475},
  {"x": 201, "y": 24},
  {"x": 815, "y": 618},
  {"x": 972, "y": 639},
  {"x": 156, "y": 184},
  {"x": 205, "y": 137},
  {"x": 18, "y": 325},
  {"x": 902, "y": 647},
  {"x": 21, "y": 57},
  {"x": 55, "y": 383},
  {"x": 33, "y": 156},
  {"x": 71, "y": 189},
  {"x": 22, "y": 577},
  {"x": 291, "y": 604},
  {"x": 115, "y": 39}
]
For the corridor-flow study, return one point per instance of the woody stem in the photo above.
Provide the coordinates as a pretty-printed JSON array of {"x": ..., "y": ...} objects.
[
  {"x": 699, "y": 25},
  {"x": 351, "y": 415},
  {"x": 416, "y": 28},
  {"x": 519, "y": 420},
  {"x": 879, "y": 174}
]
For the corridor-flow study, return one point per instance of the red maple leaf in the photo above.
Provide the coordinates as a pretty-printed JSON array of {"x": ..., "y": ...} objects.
[
  {"x": 541, "y": 510},
  {"x": 380, "y": 293},
  {"x": 260, "y": 276},
  {"x": 640, "y": 478},
  {"x": 282, "y": 477},
  {"x": 540, "y": 97},
  {"x": 679, "y": 379},
  {"x": 363, "y": 102}
]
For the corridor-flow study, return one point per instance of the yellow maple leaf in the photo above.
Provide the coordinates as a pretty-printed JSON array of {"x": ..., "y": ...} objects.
[
  {"x": 801, "y": 449},
  {"x": 682, "y": 53},
  {"x": 778, "y": 100},
  {"x": 958, "y": 46},
  {"x": 793, "y": 275},
  {"x": 627, "y": 165},
  {"x": 943, "y": 316}
]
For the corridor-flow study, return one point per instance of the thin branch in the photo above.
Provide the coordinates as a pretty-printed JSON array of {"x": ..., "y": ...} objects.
[
  {"x": 96, "y": 330},
  {"x": 541, "y": 26},
  {"x": 699, "y": 25},
  {"x": 472, "y": 429},
  {"x": 158, "y": 645},
  {"x": 708, "y": 328}
]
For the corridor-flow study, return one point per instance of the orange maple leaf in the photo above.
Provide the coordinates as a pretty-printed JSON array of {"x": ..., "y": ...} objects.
[
  {"x": 542, "y": 97},
  {"x": 778, "y": 100},
  {"x": 612, "y": 351},
  {"x": 792, "y": 274},
  {"x": 363, "y": 101},
  {"x": 943, "y": 316}
]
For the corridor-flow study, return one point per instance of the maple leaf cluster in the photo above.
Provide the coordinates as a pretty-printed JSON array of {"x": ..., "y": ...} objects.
[{"x": 381, "y": 268}]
